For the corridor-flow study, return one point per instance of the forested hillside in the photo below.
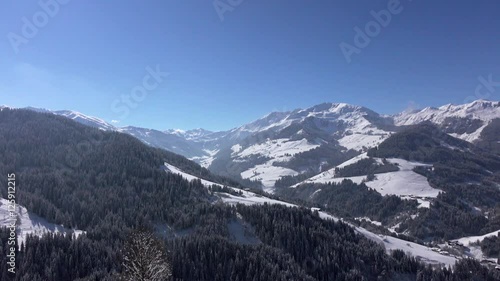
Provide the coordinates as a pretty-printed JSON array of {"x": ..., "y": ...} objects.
[{"x": 108, "y": 184}]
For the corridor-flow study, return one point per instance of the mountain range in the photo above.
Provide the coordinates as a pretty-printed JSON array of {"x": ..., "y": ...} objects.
[
  {"x": 306, "y": 141},
  {"x": 374, "y": 196}
]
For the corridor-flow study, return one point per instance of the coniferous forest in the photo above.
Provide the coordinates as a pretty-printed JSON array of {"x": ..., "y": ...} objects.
[{"x": 110, "y": 184}]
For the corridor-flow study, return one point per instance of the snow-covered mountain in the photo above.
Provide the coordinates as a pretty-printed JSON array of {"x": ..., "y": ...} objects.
[
  {"x": 303, "y": 140},
  {"x": 313, "y": 139},
  {"x": 171, "y": 142},
  {"x": 86, "y": 120},
  {"x": 78, "y": 117},
  {"x": 307, "y": 140},
  {"x": 195, "y": 134},
  {"x": 465, "y": 121}
]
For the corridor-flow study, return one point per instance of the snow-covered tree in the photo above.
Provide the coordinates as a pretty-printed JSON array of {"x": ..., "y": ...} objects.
[{"x": 145, "y": 258}]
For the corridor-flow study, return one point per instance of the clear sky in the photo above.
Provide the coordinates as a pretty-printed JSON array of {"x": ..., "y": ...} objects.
[{"x": 90, "y": 56}]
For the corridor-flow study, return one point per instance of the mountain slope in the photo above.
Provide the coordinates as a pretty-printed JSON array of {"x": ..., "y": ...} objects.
[
  {"x": 167, "y": 141},
  {"x": 454, "y": 182},
  {"x": 306, "y": 141},
  {"x": 390, "y": 243},
  {"x": 462, "y": 121},
  {"x": 309, "y": 140},
  {"x": 108, "y": 183}
]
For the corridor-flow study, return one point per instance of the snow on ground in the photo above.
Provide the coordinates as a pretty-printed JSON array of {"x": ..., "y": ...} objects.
[
  {"x": 472, "y": 239},
  {"x": 85, "y": 119},
  {"x": 424, "y": 253},
  {"x": 206, "y": 160},
  {"x": 267, "y": 174},
  {"x": 247, "y": 197},
  {"x": 390, "y": 243},
  {"x": 477, "y": 253},
  {"x": 394, "y": 227},
  {"x": 250, "y": 198},
  {"x": 353, "y": 160},
  {"x": 236, "y": 148},
  {"x": 475, "y": 250},
  {"x": 369, "y": 220},
  {"x": 479, "y": 109},
  {"x": 28, "y": 223},
  {"x": 363, "y": 133},
  {"x": 328, "y": 175},
  {"x": 403, "y": 183},
  {"x": 174, "y": 170},
  {"x": 360, "y": 141},
  {"x": 278, "y": 149}
]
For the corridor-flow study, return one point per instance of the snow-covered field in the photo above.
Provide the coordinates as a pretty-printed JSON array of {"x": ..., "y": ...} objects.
[
  {"x": 206, "y": 160},
  {"x": 475, "y": 250},
  {"x": 28, "y": 223},
  {"x": 267, "y": 174},
  {"x": 472, "y": 239},
  {"x": 425, "y": 254},
  {"x": 403, "y": 183},
  {"x": 368, "y": 220},
  {"x": 278, "y": 149},
  {"x": 390, "y": 243},
  {"x": 360, "y": 141}
]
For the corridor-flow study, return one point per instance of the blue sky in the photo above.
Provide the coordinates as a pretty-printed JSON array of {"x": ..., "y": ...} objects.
[{"x": 263, "y": 56}]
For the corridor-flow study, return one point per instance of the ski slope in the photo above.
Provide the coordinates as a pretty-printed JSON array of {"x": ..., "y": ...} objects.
[{"x": 30, "y": 224}]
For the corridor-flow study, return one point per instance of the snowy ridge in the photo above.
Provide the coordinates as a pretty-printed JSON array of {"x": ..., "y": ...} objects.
[
  {"x": 87, "y": 120},
  {"x": 480, "y": 109},
  {"x": 255, "y": 148},
  {"x": 299, "y": 131},
  {"x": 328, "y": 117},
  {"x": 247, "y": 197},
  {"x": 30, "y": 224},
  {"x": 425, "y": 254},
  {"x": 78, "y": 117}
]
